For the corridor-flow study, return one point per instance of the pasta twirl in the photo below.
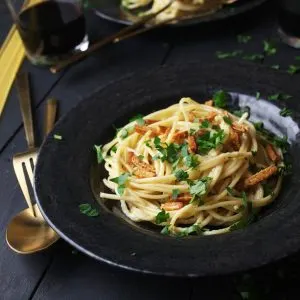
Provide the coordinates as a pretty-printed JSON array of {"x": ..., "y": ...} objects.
[{"x": 191, "y": 168}]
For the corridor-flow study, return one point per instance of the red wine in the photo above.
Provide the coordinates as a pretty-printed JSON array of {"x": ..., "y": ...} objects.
[
  {"x": 289, "y": 17},
  {"x": 51, "y": 28}
]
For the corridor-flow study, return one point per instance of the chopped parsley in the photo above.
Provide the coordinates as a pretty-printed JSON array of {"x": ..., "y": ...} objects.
[
  {"x": 189, "y": 230},
  {"x": 286, "y": 169},
  {"x": 279, "y": 96},
  {"x": 210, "y": 140},
  {"x": 253, "y": 57},
  {"x": 221, "y": 99},
  {"x": 113, "y": 149},
  {"x": 257, "y": 95},
  {"x": 162, "y": 217},
  {"x": 240, "y": 112},
  {"x": 244, "y": 39},
  {"x": 227, "y": 120},
  {"x": 88, "y": 210},
  {"x": 165, "y": 230},
  {"x": 147, "y": 143},
  {"x": 120, "y": 181},
  {"x": 281, "y": 143},
  {"x": 57, "y": 137},
  {"x": 259, "y": 126},
  {"x": 222, "y": 55},
  {"x": 198, "y": 189},
  {"x": 269, "y": 48},
  {"x": 138, "y": 118},
  {"x": 167, "y": 152},
  {"x": 244, "y": 199},
  {"x": 124, "y": 133},
  {"x": 205, "y": 124},
  {"x": 230, "y": 191},
  {"x": 181, "y": 175},
  {"x": 175, "y": 193},
  {"x": 285, "y": 112},
  {"x": 99, "y": 153},
  {"x": 141, "y": 157},
  {"x": 275, "y": 67},
  {"x": 191, "y": 161},
  {"x": 293, "y": 69}
]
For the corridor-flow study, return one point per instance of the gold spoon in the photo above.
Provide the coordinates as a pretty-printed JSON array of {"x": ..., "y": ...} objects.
[{"x": 26, "y": 233}]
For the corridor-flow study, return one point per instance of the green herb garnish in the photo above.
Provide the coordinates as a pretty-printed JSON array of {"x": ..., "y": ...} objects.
[
  {"x": 165, "y": 230},
  {"x": 99, "y": 153},
  {"x": 274, "y": 97},
  {"x": 141, "y": 157},
  {"x": 167, "y": 152},
  {"x": 269, "y": 48},
  {"x": 181, "y": 175},
  {"x": 221, "y": 98},
  {"x": 222, "y": 55},
  {"x": 258, "y": 125},
  {"x": 139, "y": 119},
  {"x": 175, "y": 194},
  {"x": 257, "y": 95},
  {"x": 244, "y": 39},
  {"x": 120, "y": 181},
  {"x": 285, "y": 112},
  {"x": 162, "y": 217},
  {"x": 188, "y": 231},
  {"x": 227, "y": 120},
  {"x": 57, "y": 137},
  {"x": 205, "y": 124},
  {"x": 113, "y": 149},
  {"x": 210, "y": 140},
  {"x": 124, "y": 133},
  {"x": 253, "y": 57},
  {"x": 198, "y": 189},
  {"x": 88, "y": 210},
  {"x": 293, "y": 69},
  {"x": 230, "y": 191}
]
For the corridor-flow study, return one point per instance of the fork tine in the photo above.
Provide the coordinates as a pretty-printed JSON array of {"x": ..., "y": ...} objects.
[{"x": 19, "y": 171}]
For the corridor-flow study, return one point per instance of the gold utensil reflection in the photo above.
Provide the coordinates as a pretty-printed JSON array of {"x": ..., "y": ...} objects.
[{"x": 28, "y": 232}]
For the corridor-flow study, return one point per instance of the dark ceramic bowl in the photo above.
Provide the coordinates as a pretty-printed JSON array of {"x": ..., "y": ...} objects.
[
  {"x": 63, "y": 174},
  {"x": 110, "y": 10}
]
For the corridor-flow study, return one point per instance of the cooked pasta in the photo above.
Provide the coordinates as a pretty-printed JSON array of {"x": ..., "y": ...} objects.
[
  {"x": 192, "y": 168},
  {"x": 177, "y": 8}
]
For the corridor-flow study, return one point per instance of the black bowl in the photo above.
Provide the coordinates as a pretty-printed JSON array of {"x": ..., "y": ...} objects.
[
  {"x": 110, "y": 10},
  {"x": 63, "y": 181}
]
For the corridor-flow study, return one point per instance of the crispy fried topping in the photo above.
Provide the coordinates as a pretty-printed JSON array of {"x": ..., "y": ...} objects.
[{"x": 260, "y": 176}]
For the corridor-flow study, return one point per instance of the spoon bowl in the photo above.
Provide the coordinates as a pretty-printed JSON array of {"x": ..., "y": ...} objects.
[{"x": 26, "y": 234}]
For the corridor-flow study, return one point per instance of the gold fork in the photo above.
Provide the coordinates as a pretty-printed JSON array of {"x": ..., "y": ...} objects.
[{"x": 24, "y": 162}]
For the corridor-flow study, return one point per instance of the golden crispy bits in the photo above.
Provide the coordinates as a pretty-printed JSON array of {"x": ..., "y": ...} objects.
[
  {"x": 260, "y": 176},
  {"x": 192, "y": 144},
  {"x": 239, "y": 127},
  {"x": 172, "y": 205},
  {"x": 272, "y": 154},
  {"x": 186, "y": 197},
  {"x": 140, "y": 169},
  {"x": 209, "y": 103},
  {"x": 179, "y": 137},
  {"x": 235, "y": 140},
  {"x": 211, "y": 116},
  {"x": 149, "y": 121},
  {"x": 154, "y": 131}
]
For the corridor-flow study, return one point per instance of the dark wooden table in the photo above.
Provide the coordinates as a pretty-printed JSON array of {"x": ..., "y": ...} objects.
[{"x": 63, "y": 273}]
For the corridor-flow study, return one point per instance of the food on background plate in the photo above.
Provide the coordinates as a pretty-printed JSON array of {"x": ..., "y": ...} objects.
[
  {"x": 177, "y": 9},
  {"x": 193, "y": 168}
]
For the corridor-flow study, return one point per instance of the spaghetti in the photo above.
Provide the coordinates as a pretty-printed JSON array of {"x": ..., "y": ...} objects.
[
  {"x": 192, "y": 168},
  {"x": 177, "y": 8}
]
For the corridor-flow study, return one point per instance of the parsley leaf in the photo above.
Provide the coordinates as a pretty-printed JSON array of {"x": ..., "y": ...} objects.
[
  {"x": 147, "y": 143},
  {"x": 114, "y": 149},
  {"x": 257, "y": 95},
  {"x": 258, "y": 125},
  {"x": 253, "y": 57},
  {"x": 162, "y": 217},
  {"x": 88, "y": 210},
  {"x": 281, "y": 142},
  {"x": 99, "y": 153},
  {"x": 167, "y": 152},
  {"x": 274, "y": 97},
  {"x": 57, "y": 137},
  {"x": 199, "y": 189},
  {"x": 181, "y": 175},
  {"x": 269, "y": 48},
  {"x": 189, "y": 230},
  {"x": 230, "y": 191},
  {"x": 139, "y": 119},
  {"x": 124, "y": 133},
  {"x": 121, "y": 180},
  {"x": 286, "y": 169},
  {"x": 275, "y": 67},
  {"x": 141, "y": 157},
  {"x": 244, "y": 199},
  {"x": 244, "y": 39},
  {"x": 165, "y": 230},
  {"x": 221, "y": 98},
  {"x": 205, "y": 124},
  {"x": 227, "y": 120},
  {"x": 175, "y": 193},
  {"x": 184, "y": 150},
  {"x": 285, "y": 112},
  {"x": 293, "y": 69},
  {"x": 210, "y": 140},
  {"x": 222, "y": 55},
  {"x": 191, "y": 161}
]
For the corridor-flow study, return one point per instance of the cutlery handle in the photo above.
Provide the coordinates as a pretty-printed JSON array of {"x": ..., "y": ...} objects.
[
  {"x": 23, "y": 88},
  {"x": 50, "y": 115}
]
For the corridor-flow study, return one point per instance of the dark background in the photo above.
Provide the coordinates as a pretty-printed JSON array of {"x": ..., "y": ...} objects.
[{"x": 63, "y": 273}]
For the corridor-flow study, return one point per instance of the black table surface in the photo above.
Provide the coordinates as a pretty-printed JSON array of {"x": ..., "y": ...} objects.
[{"x": 61, "y": 272}]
